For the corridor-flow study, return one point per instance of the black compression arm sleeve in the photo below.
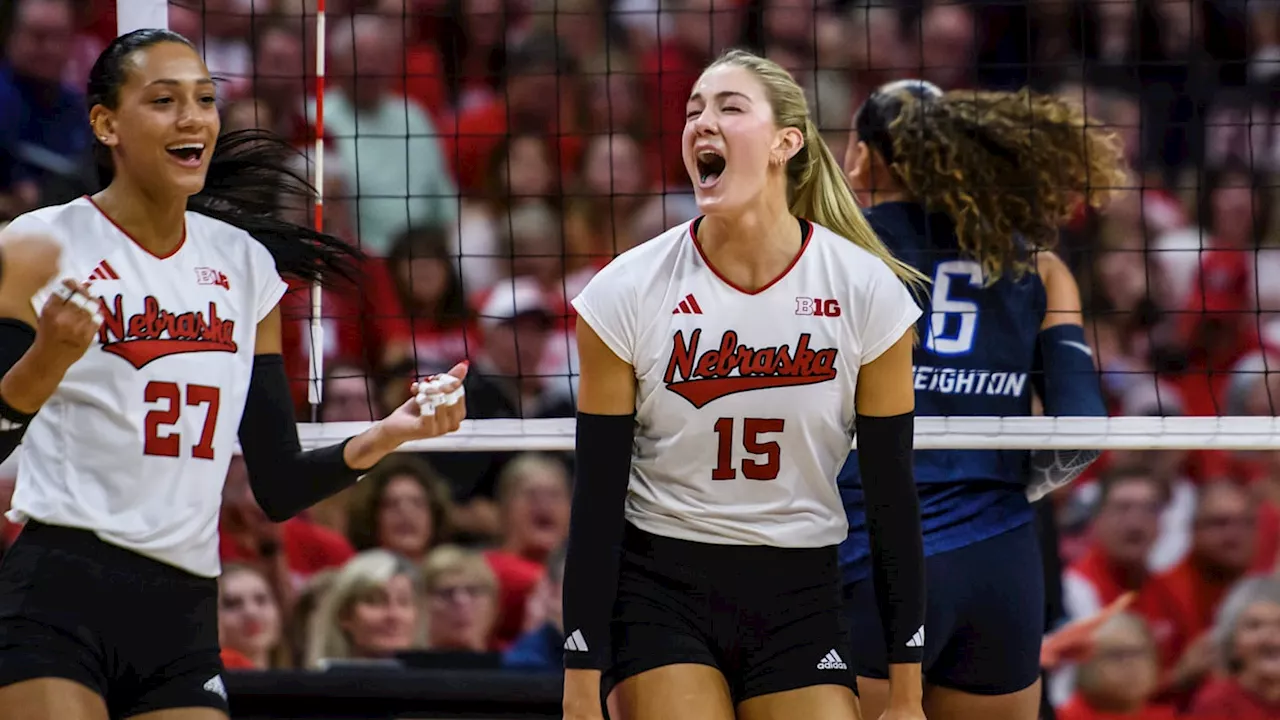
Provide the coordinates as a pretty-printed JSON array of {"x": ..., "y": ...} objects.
[
  {"x": 285, "y": 480},
  {"x": 16, "y": 338},
  {"x": 602, "y": 472},
  {"x": 893, "y": 522}
]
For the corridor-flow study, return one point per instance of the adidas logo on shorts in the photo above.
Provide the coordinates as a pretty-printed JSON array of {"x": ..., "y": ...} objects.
[
  {"x": 215, "y": 686},
  {"x": 832, "y": 661}
]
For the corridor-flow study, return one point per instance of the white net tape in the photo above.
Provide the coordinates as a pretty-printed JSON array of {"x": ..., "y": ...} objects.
[{"x": 932, "y": 433}]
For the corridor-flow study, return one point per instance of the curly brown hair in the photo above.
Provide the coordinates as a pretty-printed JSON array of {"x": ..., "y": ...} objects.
[
  {"x": 362, "y": 524},
  {"x": 1008, "y": 168}
]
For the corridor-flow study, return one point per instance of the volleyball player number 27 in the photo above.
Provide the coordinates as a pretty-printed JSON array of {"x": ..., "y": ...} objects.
[
  {"x": 768, "y": 454},
  {"x": 170, "y": 401}
]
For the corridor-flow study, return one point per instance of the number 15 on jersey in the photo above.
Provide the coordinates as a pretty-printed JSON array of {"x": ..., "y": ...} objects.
[{"x": 752, "y": 429}]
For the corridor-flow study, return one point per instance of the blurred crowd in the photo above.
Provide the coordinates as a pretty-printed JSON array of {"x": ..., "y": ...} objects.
[{"x": 491, "y": 155}]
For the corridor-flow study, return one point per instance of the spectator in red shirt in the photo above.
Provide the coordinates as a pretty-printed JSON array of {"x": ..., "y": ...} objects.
[
  {"x": 1248, "y": 631},
  {"x": 401, "y": 505},
  {"x": 533, "y": 497},
  {"x": 1124, "y": 529},
  {"x": 1223, "y": 540},
  {"x": 287, "y": 553},
  {"x": 538, "y": 100},
  {"x": 1121, "y": 676},
  {"x": 701, "y": 30},
  {"x": 429, "y": 330}
]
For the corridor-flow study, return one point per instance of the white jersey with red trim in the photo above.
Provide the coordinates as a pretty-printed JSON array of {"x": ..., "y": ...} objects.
[
  {"x": 136, "y": 441},
  {"x": 745, "y": 400}
]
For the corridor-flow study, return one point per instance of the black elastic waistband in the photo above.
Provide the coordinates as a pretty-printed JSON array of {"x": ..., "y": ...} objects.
[
  {"x": 731, "y": 560},
  {"x": 86, "y": 545}
]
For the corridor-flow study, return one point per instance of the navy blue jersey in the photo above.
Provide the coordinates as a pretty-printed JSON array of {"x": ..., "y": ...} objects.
[{"x": 975, "y": 357}]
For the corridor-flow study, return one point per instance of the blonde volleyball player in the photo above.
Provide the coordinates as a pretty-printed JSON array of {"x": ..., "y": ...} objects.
[
  {"x": 725, "y": 365},
  {"x": 131, "y": 402}
]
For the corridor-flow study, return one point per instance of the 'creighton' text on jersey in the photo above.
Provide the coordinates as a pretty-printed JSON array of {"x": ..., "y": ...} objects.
[
  {"x": 976, "y": 353},
  {"x": 135, "y": 442},
  {"x": 744, "y": 400}
]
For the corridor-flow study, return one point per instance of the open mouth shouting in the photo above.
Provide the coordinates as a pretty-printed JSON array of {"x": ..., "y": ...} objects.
[{"x": 710, "y": 168}]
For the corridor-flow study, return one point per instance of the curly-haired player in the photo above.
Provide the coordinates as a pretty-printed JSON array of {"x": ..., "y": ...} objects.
[{"x": 971, "y": 189}]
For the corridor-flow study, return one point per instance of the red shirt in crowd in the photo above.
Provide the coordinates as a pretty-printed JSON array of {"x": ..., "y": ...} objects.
[
  {"x": 1225, "y": 699},
  {"x": 1078, "y": 709},
  {"x": 1153, "y": 602},
  {"x": 235, "y": 660},
  {"x": 517, "y": 578},
  {"x": 479, "y": 132},
  {"x": 308, "y": 548},
  {"x": 1195, "y": 597},
  {"x": 359, "y": 322},
  {"x": 669, "y": 71}
]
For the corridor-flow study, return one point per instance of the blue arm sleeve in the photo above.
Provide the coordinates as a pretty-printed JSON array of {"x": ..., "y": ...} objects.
[{"x": 1068, "y": 385}]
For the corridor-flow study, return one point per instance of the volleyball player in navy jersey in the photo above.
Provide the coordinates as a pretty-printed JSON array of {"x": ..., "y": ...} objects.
[{"x": 962, "y": 188}]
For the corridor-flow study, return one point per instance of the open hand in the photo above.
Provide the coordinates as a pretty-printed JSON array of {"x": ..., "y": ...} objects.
[
  {"x": 427, "y": 413},
  {"x": 1074, "y": 641}
]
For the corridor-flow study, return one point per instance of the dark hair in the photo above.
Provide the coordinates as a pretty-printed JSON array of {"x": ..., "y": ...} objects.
[
  {"x": 362, "y": 518},
  {"x": 1008, "y": 168},
  {"x": 428, "y": 242},
  {"x": 250, "y": 179}
]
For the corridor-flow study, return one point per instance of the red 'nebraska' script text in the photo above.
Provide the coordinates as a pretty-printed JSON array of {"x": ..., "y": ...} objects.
[
  {"x": 732, "y": 368},
  {"x": 155, "y": 332}
]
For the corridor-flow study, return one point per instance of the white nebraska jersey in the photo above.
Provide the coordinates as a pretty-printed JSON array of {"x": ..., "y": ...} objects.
[
  {"x": 745, "y": 401},
  {"x": 136, "y": 441}
]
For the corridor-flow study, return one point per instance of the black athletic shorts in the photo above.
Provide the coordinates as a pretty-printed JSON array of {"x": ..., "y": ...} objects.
[
  {"x": 141, "y": 633},
  {"x": 770, "y": 619},
  {"x": 984, "y": 619}
]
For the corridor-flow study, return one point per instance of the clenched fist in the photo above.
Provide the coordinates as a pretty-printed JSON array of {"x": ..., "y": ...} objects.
[{"x": 68, "y": 321}]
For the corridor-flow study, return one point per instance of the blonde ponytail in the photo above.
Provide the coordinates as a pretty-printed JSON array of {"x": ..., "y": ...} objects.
[
  {"x": 822, "y": 195},
  {"x": 819, "y": 191}
]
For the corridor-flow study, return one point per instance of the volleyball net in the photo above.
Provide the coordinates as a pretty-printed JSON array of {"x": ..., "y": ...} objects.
[{"x": 491, "y": 156}]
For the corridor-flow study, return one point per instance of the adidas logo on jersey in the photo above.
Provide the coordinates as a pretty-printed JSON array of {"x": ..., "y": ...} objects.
[
  {"x": 917, "y": 640},
  {"x": 575, "y": 642},
  {"x": 832, "y": 661},
  {"x": 687, "y": 306},
  {"x": 104, "y": 271}
]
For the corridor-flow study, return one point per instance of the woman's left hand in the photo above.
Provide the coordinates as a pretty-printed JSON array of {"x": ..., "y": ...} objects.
[{"x": 437, "y": 407}]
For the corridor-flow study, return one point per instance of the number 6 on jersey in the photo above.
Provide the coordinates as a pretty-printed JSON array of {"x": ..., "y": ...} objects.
[
  {"x": 752, "y": 429},
  {"x": 170, "y": 396}
]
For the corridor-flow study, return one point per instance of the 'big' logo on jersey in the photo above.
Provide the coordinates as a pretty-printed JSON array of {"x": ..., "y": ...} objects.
[
  {"x": 155, "y": 332},
  {"x": 732, "y": 368}
]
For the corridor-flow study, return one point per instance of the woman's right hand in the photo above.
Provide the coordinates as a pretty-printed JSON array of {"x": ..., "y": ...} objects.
[
  {"x": 582, "y": 695},
  {"x": 68, "y": 322}
]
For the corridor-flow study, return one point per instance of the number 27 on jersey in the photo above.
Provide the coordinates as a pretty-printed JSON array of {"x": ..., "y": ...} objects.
[{"x": 171, "y": 401}]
